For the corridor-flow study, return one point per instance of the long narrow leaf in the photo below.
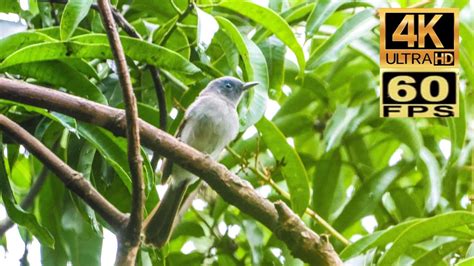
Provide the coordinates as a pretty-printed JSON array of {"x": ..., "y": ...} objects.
[
  {"x": 74, "y": 12},
  {"x": 293, "y": 169},
  {"x": 16, "y": 213},
  {"x": 270, "y": 20},
  {"x": 352, "y": 29},
  {"x": 93, "y": 46},
  {"x": 424, "y": 230}
]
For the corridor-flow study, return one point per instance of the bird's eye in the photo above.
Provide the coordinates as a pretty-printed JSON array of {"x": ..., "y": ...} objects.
[{"x": 228, "y": 85}]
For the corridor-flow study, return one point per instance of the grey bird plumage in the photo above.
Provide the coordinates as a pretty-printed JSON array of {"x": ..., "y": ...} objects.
[{"x": 210, "y": 123}]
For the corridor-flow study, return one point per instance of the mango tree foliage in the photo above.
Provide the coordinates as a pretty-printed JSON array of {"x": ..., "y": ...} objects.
[{"x": 311, "y": 135}]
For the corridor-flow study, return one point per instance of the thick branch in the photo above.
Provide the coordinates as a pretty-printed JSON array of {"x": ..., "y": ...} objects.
[
  {"x": 130, "y": 239},
  {"x": 232, "y": 189},
  {"x": 133, "y": 134},
  {"x": 71, "y": 178},
  {"x": 154, "y": 72}
]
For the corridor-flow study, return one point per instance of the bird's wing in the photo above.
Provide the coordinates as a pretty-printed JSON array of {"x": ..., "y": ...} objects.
[{"x": 167, "y": 167}]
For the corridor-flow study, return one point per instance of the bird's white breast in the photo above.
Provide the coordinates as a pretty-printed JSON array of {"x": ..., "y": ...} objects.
[{"x": 211, "y": 123}]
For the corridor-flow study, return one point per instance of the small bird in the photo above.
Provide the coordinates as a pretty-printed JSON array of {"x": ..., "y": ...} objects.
[{"x": 210, "y": 123}]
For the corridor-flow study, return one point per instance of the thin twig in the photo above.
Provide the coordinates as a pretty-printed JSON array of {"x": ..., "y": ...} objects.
[
  {"x": 160, "y": 96},
  {"x": 131, "y": 239},
  {"x": 72, "y": 179},
  {"x": 181, "y": 17},
  {"x": 200, "y": 217},
  {"x": 154, "y": 72},
  {"x": 285, "y": 195},
  {"x": 175, "y": 7}
]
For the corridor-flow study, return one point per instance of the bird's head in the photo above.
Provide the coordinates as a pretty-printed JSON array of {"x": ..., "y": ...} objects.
[{"x": 228, "y": 87}]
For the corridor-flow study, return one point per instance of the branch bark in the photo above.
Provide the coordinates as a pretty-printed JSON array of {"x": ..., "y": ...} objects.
[
  {"x": 154, "y": 72},
  {"x": 287, "y": 226},
  {"x": 130, "y": 240},
  {"x": 72, "y": 179}
]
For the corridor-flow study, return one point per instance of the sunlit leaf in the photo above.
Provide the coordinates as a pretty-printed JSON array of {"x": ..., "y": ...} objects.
[
  {"x": 437, "y": 254},
  {"x": 271, "y": 21},
  {"x": 323, "y": 10},
  {"x": 74, "y": 12},
  {"x": 368, "y": 196},
  {"x": 93, "y": 46},
  {"x": 424, "y": 230},
  {"x": 352, "y": 29},
  {"x": 207, "y": 27},
  {"x": 293, "y": 169},
  {"x": 14, "y": 42},
  {"x": 60, "y": 74}
]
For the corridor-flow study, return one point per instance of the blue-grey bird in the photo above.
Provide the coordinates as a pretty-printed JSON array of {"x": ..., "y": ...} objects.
[{"x": 210, "y": 123}]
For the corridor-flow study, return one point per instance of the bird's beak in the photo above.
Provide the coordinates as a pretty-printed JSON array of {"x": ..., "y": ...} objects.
[{"x": 249, "y": 85}]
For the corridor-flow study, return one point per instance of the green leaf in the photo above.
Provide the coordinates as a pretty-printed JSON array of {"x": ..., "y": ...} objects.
[
  {"x": 186, "y": 228},
  {"x": 21, "y": 173},
  {"x": 369, "y": 195},
  {"x": 55, "y": 32},
  {"x": 83, "y": 67},
  {"x": 271, "y": 21},
  {"x": 327, "y": 179},
  {"x": 274, "y": 52},
  {"x": 17, "y": 214},
  {"x": 61, "y": 75},
  {"x": 255, "y": 239},
  {"x": 465, "y": 262},
  {"x": 352, "y": 29},
  {"x": 339, "y": 125},
  {"x": 253, "y": 107},
  {"x": 84, "y": 166},
  {"x": 436, "y": 255},
  {"x": 50, "y": 206},
  {"x": 74, "y": 12},
  {"x": 377, "y": 239},
  {"x": 82, "y": 242},
  {"x": 424, "y": 230},
  {"x": 164, "y": 30},
  {"x": 110, "y": 147},
  {"x": 206, "y": 28},
  {"x": 9, "y": 6},
  {"x": 14, "y": 42},
  {"x": 93, "y": 46},
  {"x": 293, "y": 169},
  {"x": 291, "y": 15},
  {"x": 405, "y": 131},
  {"x": 466, "y": 51},
  {"x": 321, "y": 12},
  {"x": 429, "y": 166},
  {"x": 457, "y": 129}
]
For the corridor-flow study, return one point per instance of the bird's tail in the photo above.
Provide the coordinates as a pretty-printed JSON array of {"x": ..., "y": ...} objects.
[{"x": 159, "y": 224}]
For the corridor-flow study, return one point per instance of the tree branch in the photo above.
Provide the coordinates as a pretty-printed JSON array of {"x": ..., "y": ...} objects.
[
  {"x": 131, "y": 239},
  {"x": 27, "y": 200},
  {"x": 267, "y": 179},
  {"x": 154, "y": 72},
  {"x": 72, "y": 179},
  {"x": 286, "y": 225}
]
